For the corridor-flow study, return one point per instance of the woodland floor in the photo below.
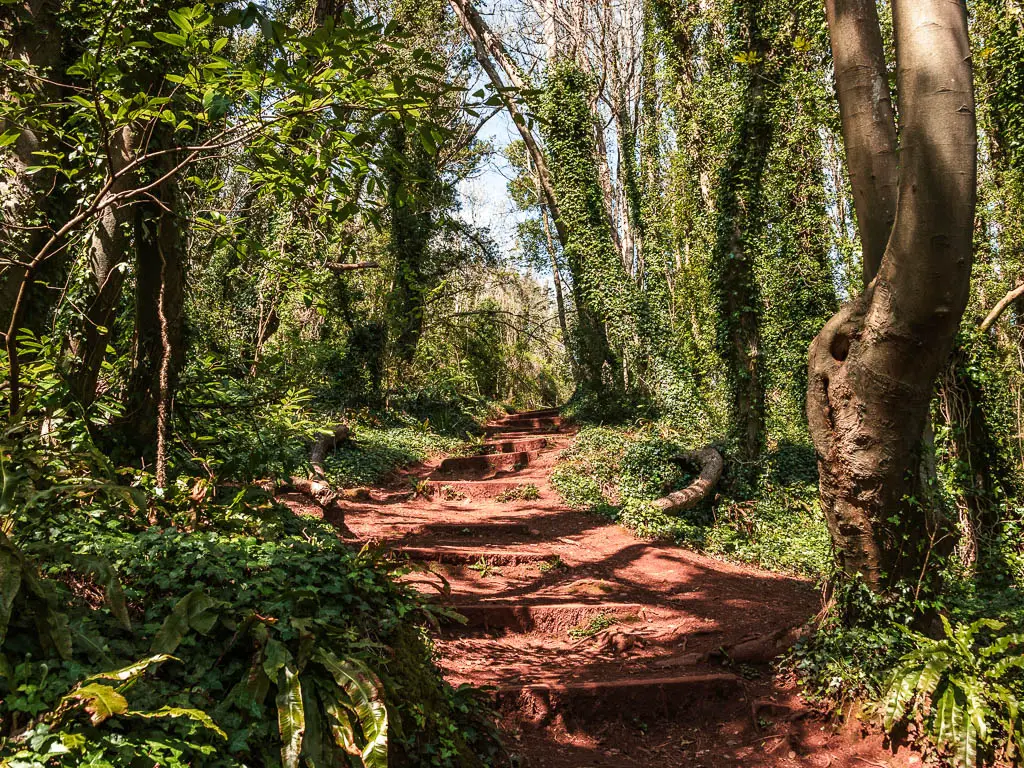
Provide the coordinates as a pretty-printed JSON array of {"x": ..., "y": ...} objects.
[{"x": 680, "y": 672}]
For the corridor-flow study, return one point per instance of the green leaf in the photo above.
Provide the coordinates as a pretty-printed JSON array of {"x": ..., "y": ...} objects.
[
  {"x": 195, "y": 611},
  {"x": 291, "y": 719},
  {"x": 363, "y": 690},
  {"x": 132, "y": 671},
  {"x": 170, "y": 38},
  {"x": 948, "y": 717},
  {"x": 901, "y": 692},
  {"x": 275, "y": 657},
  {"x": 180, "y": 21},
  {"x": 10, "y": 582},
  {"x": 341, "y": 726},
  {"x": 314, "y": 744},
  {"x": 9, "y": 137},
  {"x": 196, "y": 715},
  {"x": 100, "y": 701}
]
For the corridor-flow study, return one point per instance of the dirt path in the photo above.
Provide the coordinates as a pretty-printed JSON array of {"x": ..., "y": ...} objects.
[{"x": 603, "y": 650}]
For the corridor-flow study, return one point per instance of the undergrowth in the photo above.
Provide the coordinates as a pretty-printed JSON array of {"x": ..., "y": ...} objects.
[
  {"x": 617, "y": 472},
  {"x": 205, "y": 625},
  {"x": 944, "y": 670}
]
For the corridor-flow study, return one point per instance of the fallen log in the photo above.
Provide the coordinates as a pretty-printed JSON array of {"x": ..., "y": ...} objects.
[
  {"x": 328, "y": 441},
  {"x": 711, "y": 464},
  {"x": 316, "y": 488}
]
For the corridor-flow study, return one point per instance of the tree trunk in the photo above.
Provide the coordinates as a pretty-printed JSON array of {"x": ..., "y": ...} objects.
[
  {"x": 412, "y": 223},
  {"x": 159, "y": 318},
  {"x": 738, "y": 212},
  {"x": 108, "y": 249},
  {"x": 32, "y": 206},
  {"x": 869, "y": 128},
  {"x": 873, "y": 367}
]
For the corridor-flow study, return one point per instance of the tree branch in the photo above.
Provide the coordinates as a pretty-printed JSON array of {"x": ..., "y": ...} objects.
[{"x": 1000, "y": 307}]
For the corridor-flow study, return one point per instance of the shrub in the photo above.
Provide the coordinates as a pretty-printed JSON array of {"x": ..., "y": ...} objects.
[
  {"x": 618, "y": 473},
  {"x": 966, "y": 685},
  {"x": 237, "y": 628}
]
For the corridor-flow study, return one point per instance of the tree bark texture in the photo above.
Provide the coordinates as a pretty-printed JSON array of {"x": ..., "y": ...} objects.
[
  {"x": 108, "y": 250},
  {"x": 711, "y": 465},
  {"x": 30, "y": 204},
  {"x": 869, "y": 127},
  {"x": 873, "y": 367},
  {"x": 159, "y": 315}
]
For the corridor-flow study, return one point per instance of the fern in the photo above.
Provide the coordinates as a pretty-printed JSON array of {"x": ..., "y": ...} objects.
[{"x": 964, "y": 691}]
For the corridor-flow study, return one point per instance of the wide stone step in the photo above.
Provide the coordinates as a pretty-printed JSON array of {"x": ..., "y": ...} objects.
[
  {"x": 472, "y": 555},
  {"x": 490, "y": 462},
  {"x": 634, "y": 698},
  {"x": 539, "y": 617}
]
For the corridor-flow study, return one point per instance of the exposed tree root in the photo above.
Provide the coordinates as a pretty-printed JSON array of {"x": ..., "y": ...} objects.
[{"x": 711, "y": 464}]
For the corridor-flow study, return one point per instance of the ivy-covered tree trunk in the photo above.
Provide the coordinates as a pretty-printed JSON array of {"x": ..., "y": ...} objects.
[
  {"x": 606, "y": 312},
  {"x": 738, "y": 211},
  {"x": 412, "y": 223},
  {"x": 873, "y": 367}
]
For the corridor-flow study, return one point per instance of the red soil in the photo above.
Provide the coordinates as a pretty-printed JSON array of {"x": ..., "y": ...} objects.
[{"x": 679, "y": 673}]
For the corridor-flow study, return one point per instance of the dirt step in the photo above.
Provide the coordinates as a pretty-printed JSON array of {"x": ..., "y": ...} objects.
[
  {"x": 474, "y": 489},
  {"x": 539, "y": 617},
  {"x": 514, "y": 446},
  {"x": 473, "y": 530},
  {"x": 522, "y": 425},
  {"x": 542, "y": 413},
  {"x": 472, "y": 555},
  {"x": 490, "y": 462},
  {"x": 632, "y": 698}
]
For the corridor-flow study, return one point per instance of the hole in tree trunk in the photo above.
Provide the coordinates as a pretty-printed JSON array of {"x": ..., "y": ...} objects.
[{"x": 840, "y": 347}]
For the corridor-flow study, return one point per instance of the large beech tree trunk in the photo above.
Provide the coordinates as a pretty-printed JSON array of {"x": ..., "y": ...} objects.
[
  {"x": 869, "y": 128},
  {"x": 873, "y": 367}
]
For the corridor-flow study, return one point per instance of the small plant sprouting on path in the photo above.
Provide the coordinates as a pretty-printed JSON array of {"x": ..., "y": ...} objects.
[
  {"x": 421, "y": 488},
  {"x": 485, "y": 569},
  {"x": 450, "y": 493},
  {"x": 527, "y": 492},
  {"x": 553, "y": 564},
  {"x": 597, "y": 624}
]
